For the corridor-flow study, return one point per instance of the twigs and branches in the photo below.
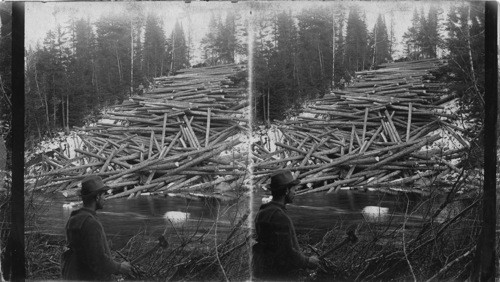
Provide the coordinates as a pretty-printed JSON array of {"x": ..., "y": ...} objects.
[
  {"x": 404, "y": 244},
  {"x": 397, "y": 250},
  {"x": 387, "y": 131},
  {"x": 152, "y": 143}
]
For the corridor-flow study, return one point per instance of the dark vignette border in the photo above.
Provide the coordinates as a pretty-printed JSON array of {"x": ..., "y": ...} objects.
[
  {"x": 16, "y": 236},
  {"x": 15, "y": 245}
]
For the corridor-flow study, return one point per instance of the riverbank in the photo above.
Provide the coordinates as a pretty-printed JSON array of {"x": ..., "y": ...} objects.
[
  {"x": 194, "y": 229},
  {"x": 394, "y": 247}
]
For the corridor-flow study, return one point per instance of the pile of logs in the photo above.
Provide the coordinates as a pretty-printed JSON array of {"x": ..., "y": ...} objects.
[
  {"x": 180, "y": 136},
  {"x": 379, "y": 133}
]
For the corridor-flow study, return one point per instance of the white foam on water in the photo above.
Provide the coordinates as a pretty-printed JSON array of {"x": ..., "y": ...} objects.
[
  {"x": 176, "y": 217},
  {"x": 375, "y": 213}
]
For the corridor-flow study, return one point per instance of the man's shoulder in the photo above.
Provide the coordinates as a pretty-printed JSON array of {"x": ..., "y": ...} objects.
[
  {"x": 272, "y": 210},
  {"x": 81, "y": 217},
  {"x": 272, "y": 206}
]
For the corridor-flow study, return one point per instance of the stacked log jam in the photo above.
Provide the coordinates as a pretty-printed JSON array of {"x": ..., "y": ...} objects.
[
  {"x": 183, "y": 136},
  {"x": 378, "y": 133}
]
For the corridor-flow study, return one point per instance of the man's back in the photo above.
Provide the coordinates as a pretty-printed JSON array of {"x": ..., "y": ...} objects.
[
  {"x": 89, "y": 257},
  {"x": 276, "y": 255}
]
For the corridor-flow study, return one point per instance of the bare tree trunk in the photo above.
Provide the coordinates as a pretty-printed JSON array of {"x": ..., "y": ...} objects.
[
  {"x": 374, "y": 47},
  {"x": 173, "y": 53},
  {"x": 131, "y": 58},
  {"x": 264, "y": 107},
  {"x": 295, "y": 71},
  {"x": 254, "y": 106},
  {"x": 53, "y": 105},
  {"x": 95, "y": 79},
  {"x": 471, "y": 61},
  {"x": 39, "y": 134},
  {"x": 391, "y": 34},
  {"x": 118, "y": 64},
  {"x": 320, "y": 62},
  {"x": 44, "y": 99},
  {"x": 268, "y": 106},
  {"x": 67, "y": 113},
  {"x": 63, "y": 112},
  {"x": 333, "y": 49}
]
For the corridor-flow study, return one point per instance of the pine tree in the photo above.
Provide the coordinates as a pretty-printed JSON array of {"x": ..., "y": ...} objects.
[
  {"x": 356, "y": 41},
  {"x": 209, "y": 42},
  {"x": 431, "y": 37},
  {"x": 411, "y": 38},
  {"x": 228, "y": 41},
  {"x": 379, "y": 42},
  {"x": 263, "y": 49},
  {"x": 315, "y": 49},
  {"x": 113, "y": 58},
  {"x": 282, "y": 90},
  {"x": 81, "y": 71},
  {"x": 340, "y": 69},
  {"x": 154, "y": 51},
  {"x": 465, "y": 43},
  {"x": 221, "y": 44},
  {"x": 5, "y": 70},
  {"x": 177, "y": 49}
]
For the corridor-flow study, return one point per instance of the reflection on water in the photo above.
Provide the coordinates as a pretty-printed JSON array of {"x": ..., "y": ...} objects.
[
  {"x": 124, "y": 218},
  {"x": 322, "y": 211},
  {"x": 375, "y": 213},
  {"x": 176, "y": 218}
]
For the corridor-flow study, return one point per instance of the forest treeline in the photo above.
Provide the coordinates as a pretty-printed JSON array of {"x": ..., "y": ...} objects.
[
  {"x": 82, "y": 66},
  {"x": 296, "y": 60}
]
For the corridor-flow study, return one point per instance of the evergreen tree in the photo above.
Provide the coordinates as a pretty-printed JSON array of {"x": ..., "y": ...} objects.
[
  {"x": 223, "y": 42},
  {"x": 209, "y": 43},
  {"x": 283, "y": 92},
  {"x": 340, "y": 69},
  {"x": 315, "y": 49},
  {"x": 422, "y": 39},
  {"x": 37, "y": 116},
  {"x": 177, "y": 49},
  {"x": 5, "y": 70},
  {"x": 81, "y": 72},
  {"x": 411, "y": 38},
  {"x": 113, "y": 58},
  {"x": 379, "y": 42},
  {"x": 356, "y": 41},
  {"x": 263, "y": 49},
  {"x": 431, "y": 38},
  {"x": 56, "y": 57},
  {"x": 154, "y": 52},
  {"x": 228, "y": 40},
  {"x": 465, "y": 43}
]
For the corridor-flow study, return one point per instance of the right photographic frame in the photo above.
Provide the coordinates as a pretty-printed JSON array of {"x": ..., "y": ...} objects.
[{"x": 369, "y": 122}]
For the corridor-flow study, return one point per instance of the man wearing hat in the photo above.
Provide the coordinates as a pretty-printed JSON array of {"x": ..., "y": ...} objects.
[
  {"x": 89, "y": 256},
  {"x": 277, "y": 256}
]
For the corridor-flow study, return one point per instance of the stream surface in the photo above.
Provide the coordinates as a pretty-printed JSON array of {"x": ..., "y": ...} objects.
[
  {"x": 123, "y": 218},
  {"x": 316, "y": 213}
]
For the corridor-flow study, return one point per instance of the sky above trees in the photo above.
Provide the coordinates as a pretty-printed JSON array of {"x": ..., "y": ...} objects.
[
  {"x": 195, "y": 16},
  {"x": 82, "y": 56}
]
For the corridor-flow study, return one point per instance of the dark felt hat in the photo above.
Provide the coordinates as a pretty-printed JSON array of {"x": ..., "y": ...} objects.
[
  {"x": 92, "y": 185},
  {"x": 282, "y": 180}
]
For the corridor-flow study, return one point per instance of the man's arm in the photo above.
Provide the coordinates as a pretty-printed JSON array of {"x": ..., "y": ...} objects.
[{"x": 286, "y": 236}]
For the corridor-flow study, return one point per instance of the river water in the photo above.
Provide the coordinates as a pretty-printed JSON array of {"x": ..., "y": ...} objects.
[
  {"x": 123, "y": 218},
  {"x": 316, "y": 213}
]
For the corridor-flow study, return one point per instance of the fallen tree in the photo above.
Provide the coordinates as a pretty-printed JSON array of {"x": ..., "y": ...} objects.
[
  {"x": 186, "y": 131},
  {"x": 388, "y": 131}
]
